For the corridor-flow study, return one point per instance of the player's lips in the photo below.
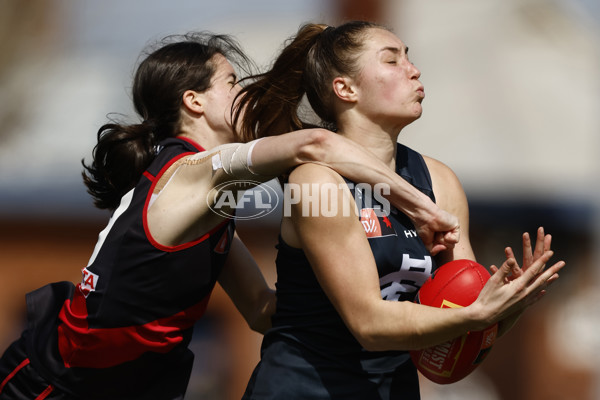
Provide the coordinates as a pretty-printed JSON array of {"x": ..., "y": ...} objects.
[{"x": 421, "y": 91}]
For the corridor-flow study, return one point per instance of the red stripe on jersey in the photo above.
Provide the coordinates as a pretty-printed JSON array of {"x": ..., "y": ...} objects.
[
  {"x": 149, "y": 176},
  {"x": 23, "y": 364},
  {"x": 82, "y": 346},
  {"x": 45, "y": 393}
]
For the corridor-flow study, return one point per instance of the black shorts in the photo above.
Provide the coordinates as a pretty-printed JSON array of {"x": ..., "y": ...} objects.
[
  {"x": 20, "y": 381},
  {"x": 293, "y": 372}
]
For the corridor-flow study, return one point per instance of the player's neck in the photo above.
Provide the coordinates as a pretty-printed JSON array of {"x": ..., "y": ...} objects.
[
  {"x": 380, "y": 142},
  {"x": 205, "y": 136}
]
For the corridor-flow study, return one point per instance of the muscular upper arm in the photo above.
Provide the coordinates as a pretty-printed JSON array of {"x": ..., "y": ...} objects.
[
  {"x": 335, "y": 245},
  {"x": 451, "y": 197}
]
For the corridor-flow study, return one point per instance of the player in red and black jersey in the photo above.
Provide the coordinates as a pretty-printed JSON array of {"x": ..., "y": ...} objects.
[{"x": 123, "y": 331}]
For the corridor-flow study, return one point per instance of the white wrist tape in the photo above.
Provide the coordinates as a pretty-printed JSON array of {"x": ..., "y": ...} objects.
[{"x": 235, "y": 159}]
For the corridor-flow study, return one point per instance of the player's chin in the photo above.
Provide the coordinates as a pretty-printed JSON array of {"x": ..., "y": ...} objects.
[{"x": 417, "y": 111}]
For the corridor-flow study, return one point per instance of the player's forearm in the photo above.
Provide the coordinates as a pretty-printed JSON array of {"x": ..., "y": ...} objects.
[
  {"x": 351, "y": 160},
  {"x": 408, "y": 326}
]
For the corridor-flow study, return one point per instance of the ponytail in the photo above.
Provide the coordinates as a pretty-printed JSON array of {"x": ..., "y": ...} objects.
[
  {"x": 306, "y": 66},
  {"x": 269, "y": 105},
  {"x": 122, "y": 154}
]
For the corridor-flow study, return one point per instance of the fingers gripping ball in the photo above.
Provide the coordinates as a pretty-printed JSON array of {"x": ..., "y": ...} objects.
[{"x": 455, "y": 284}]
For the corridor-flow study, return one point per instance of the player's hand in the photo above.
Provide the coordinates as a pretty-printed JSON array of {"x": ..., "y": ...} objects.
[
  {"x": 502, "y": 296},
  {"x": 543, "y": 243},
  {"x": 440, "y": 233}
]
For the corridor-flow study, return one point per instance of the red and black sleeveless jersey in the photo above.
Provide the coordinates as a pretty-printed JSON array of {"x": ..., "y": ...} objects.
[
  {"x": 309, "y": 352},
  {"x": 126, "y": 326}
]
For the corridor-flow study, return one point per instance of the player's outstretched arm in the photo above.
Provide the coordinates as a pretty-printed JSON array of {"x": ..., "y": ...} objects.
[
  {"x": 194, "y": 177},
  {"x": 278, "y": 154}
]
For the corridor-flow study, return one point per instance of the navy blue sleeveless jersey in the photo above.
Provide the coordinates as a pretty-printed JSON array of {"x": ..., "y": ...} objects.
[
  {"x": 310, "y": 353},
  {"x": 123, "y": 331}
]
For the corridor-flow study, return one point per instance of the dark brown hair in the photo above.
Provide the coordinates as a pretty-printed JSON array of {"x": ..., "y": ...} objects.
[
  {"x": 169, "y": 68},
  {"x": 306, "y": 66}
]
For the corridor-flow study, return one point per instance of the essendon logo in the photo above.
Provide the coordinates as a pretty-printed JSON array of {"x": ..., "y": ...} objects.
[
  {"x": 375, "y": 226},
  {"x": 89, "y": 282}
]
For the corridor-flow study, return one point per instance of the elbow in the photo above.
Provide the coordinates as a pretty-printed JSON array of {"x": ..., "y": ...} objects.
[
  {"x": 369, "y": 343},
  {"x": 317, "y": 145},
  {"x": 260, "y": 325},
  {"x": 260, "y": 321},
  {"x": 383, "y": 337},
  {"x": 370, "y": 339}
]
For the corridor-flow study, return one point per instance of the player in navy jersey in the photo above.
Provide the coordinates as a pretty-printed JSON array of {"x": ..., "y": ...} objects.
[
  {"x": 123, "y": 331},
  {"x": 345, "y": 319}
]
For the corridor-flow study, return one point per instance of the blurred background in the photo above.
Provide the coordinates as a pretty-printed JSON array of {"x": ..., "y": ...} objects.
[{"x": 512, "y": 106}]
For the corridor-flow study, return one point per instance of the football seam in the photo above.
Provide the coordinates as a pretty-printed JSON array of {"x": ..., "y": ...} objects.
[{"x": 449, "y": 281}]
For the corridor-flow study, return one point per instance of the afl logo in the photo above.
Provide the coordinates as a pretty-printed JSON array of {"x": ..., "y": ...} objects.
[{"x": 255, "y": 198}]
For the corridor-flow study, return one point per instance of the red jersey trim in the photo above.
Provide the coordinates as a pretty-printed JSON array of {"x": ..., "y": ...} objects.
[
  {"x": 149, "y": 176},
  {"x": 82, "y": 346},
  {"x": 23, "y": 364},
  {"x": 45, "y": 393}
]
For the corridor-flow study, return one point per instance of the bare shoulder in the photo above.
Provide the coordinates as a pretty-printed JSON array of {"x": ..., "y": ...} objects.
[
  {"x": 314, "y": 173},
  {"x": 446, "y": 185},
  {"x": 438, "y": 168},
  {"x": 441, "y": 174}
]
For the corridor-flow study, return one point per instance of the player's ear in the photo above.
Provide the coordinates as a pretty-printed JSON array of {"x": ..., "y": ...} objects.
[
  {"x": 344, "y": 89},
  {"x": 193, "y": 101}
]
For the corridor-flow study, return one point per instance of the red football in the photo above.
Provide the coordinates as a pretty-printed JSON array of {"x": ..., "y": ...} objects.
[{"x": 455, "y": 284}]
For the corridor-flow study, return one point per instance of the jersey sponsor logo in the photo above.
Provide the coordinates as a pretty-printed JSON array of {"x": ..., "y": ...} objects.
[
  {"x": 376, "y": 225},
  {"x": 402, "y": 284},
  {"x": 89, "y": 282},
  {"x": 410, "y": 233}
]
